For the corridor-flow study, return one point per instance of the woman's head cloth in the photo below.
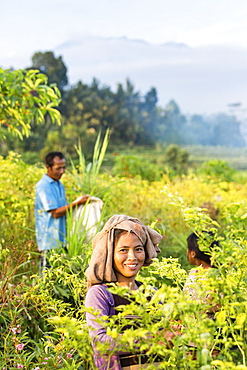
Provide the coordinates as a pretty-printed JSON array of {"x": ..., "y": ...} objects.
[{"x": 100, "y": 268}]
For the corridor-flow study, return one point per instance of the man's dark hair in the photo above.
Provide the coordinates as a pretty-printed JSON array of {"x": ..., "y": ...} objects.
[{"x": 49, "y": 159}]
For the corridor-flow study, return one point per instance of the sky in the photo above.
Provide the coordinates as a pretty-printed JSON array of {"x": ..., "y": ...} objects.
[{"x": 28, "y": 26}]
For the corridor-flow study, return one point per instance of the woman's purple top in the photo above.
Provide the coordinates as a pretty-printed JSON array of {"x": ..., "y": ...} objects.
[{"x": 102, "y": 300}]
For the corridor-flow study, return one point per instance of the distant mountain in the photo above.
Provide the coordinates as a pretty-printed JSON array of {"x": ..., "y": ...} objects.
[{"x": 201, "y": 80}]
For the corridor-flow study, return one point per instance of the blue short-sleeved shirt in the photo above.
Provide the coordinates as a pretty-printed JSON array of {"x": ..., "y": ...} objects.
[{"x": 50, "y": 231}]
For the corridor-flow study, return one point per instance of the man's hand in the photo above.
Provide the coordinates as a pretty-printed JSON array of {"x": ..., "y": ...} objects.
[
  {"x": 81, "y": 200},
  {"x": 61, "y": 211}
]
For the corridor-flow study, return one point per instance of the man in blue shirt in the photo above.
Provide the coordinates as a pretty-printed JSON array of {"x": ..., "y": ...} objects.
[{"x": 51, "y": 206}]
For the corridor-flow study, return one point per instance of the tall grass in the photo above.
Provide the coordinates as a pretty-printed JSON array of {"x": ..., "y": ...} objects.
[
  {"x": 86, "y": 174},
  {"x": 79, "y": 233}
]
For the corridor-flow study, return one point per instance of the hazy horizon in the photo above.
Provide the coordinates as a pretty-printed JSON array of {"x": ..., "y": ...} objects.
[{"x": 204, "y": 69}]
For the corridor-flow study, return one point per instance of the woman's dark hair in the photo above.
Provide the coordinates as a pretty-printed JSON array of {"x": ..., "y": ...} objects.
[
  {"x": 117, "y": 234},
  {"x": 49, "y": 159},
  {"x": 192, "y": 242}
]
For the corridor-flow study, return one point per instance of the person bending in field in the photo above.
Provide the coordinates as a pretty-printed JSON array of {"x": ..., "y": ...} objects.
[{"x": 119, "y": 251}]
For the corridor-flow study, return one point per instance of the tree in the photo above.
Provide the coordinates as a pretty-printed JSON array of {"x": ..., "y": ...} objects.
[
  {"x": 86, "y": 110},
  {"x": 199, "y": 130},
  {"x": 151, "y": 100},
  {"x": 25, "y": 97},
  {"x": 149, "y": 118},
  {"x": 172, "y": 126},
  {"x": 226, "y": 130},
  {"x": 53, "y": 67}
]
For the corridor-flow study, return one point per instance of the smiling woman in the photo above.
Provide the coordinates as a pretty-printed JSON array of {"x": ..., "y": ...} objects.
[
  {"x": 119, "y": 251},
  {"x": 129, "y": 257}
]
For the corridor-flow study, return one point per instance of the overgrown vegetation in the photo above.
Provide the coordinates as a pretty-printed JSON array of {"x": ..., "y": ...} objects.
[
  {"x": 42, "y": 319},
  {"x": 25, "y": 98}
]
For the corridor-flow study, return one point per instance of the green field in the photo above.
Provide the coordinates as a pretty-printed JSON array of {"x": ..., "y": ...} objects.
[
  {"x": 236, "y": 157},
  {"x": 42, "y": 321}
]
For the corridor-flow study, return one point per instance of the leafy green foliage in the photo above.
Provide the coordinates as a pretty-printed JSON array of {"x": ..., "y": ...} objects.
[
  {"x": 177, "y": 159},
  {"x": 86, "y": 175},
  {"x": 217, "y": 170},
  {"x": 54, "y": 68},
  {"x": 46, "y": 315},
  {"x": 131, "y": 166},
  {"x": 174, "y": 163},
  {"x": 25, "y": 96},
  {"x": 16, "y": 205}
]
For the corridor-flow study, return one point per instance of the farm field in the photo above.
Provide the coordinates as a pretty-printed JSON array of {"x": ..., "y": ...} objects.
[
  {"x": 42, "y": 320},
  {"x": 236, "y": 157}
]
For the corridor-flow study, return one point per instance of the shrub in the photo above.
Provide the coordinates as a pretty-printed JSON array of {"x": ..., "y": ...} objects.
[
  {"x": 47, "y": 315},
  {"x": 177, "y": 159},
  {"x": 132, "y": 166},
  {"x": 217, "y": 170}
]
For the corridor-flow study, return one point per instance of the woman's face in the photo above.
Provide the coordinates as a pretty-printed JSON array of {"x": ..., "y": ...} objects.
[{"x": 129, "y": 256}]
